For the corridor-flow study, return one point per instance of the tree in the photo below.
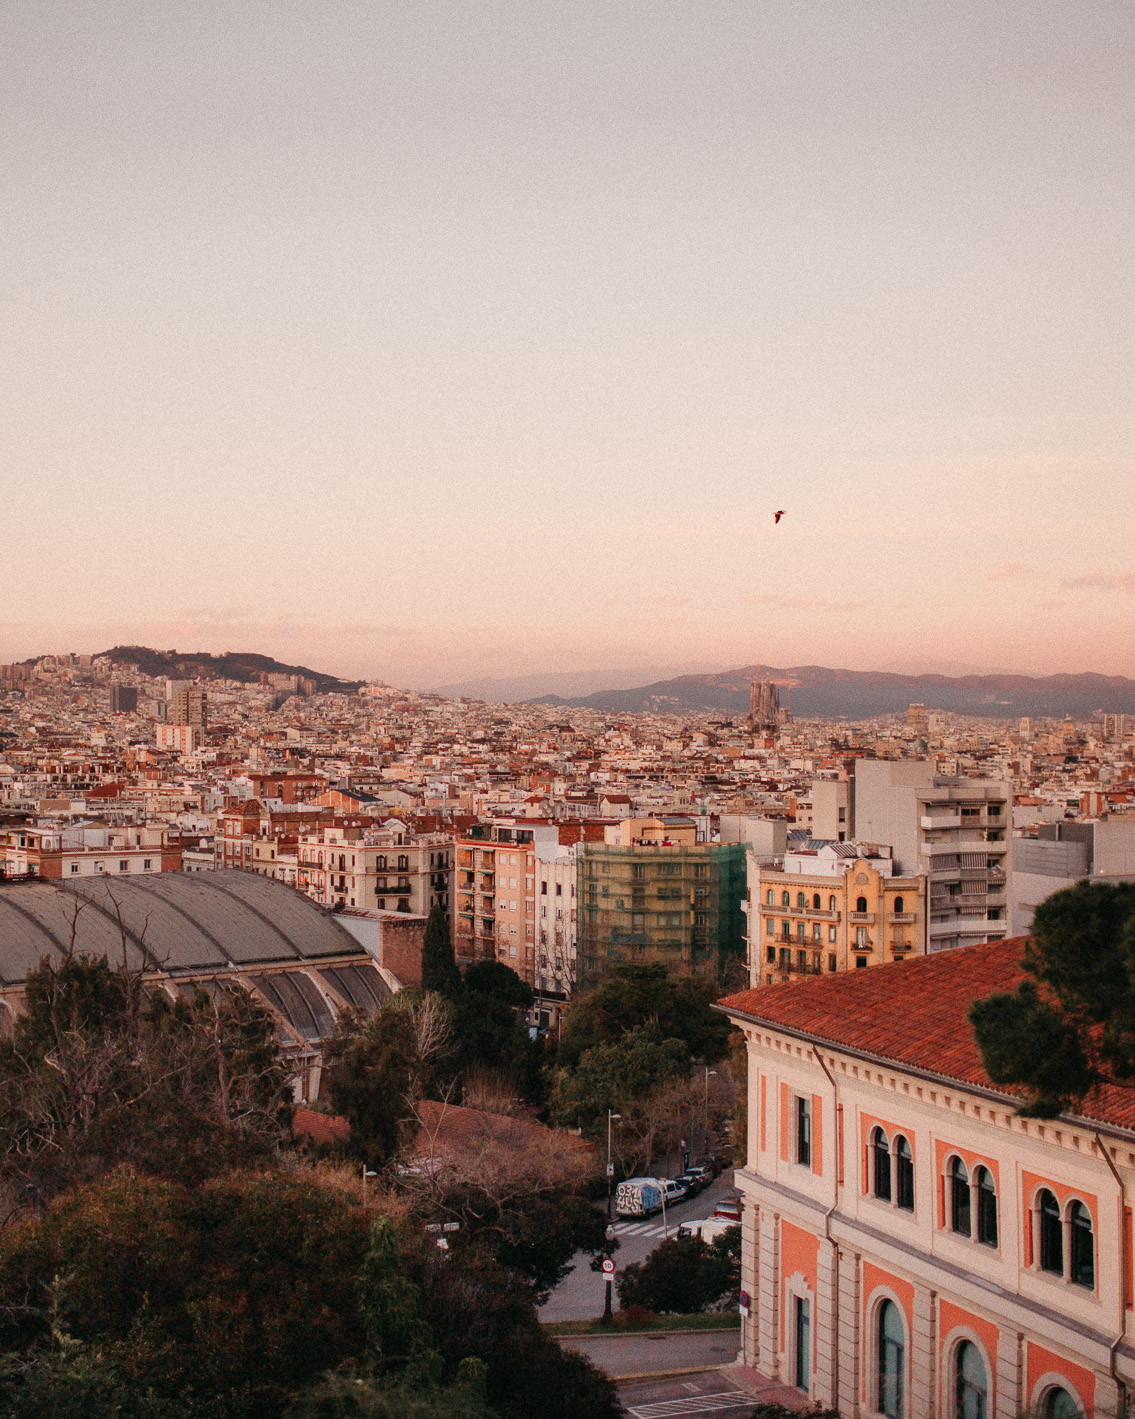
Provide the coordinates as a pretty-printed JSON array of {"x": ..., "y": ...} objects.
[
  {"x": 1070, "y": 1026},
  {"x": 99, "y": 1072},
  {"x": 640, "y": 1076},
  {"x": 630, "y": 996},
  {"x": 440, "y": 972},
  {"x": 683, "y": 1275},
  {"x": 371, "y": 1066},
  {"x": 495, "y": 1047}
]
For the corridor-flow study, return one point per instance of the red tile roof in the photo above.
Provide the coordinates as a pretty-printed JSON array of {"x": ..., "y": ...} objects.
[
  {"x": 320, "y": 1127},
  {"x": 913, "y": 1013}
]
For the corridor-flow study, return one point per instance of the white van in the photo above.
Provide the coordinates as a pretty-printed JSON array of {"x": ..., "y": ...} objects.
[
  {"x": 638, "y": 1197},
  {"x": 707, "y": 1228}
]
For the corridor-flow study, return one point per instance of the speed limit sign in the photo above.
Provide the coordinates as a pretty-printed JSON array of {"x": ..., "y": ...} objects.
[{"x": 608, "y": 1266}]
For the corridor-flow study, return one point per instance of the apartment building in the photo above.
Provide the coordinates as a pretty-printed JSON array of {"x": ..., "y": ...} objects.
[
  {"x": 494, "y": 914},
  {"x": 88, "y": 850},
  {"x": 953, "y": 830},
  {"x": 189, "y": 705},
  {"x": 378, "y": 869},
  {"x": 827, "y": 907},
  {"x": 911, "y": 1246},
  {"x": 180, "y": 738},
  {"x": 1063, "y": 853},
  {"x": 556, "y": 919},
  {"x": 651, "y": 892}
]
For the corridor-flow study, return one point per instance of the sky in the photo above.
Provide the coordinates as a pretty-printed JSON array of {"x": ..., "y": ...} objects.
[{"x": 426, "y": 342}]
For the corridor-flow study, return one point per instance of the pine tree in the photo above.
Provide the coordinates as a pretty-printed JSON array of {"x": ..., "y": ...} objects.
[{"x": 440, "y": 972}]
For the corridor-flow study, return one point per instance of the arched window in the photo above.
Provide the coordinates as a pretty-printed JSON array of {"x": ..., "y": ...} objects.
[
  {"x": 986, "y": 1207},
  {"x": 800, "y": 900},
  {"x": 815, "y": 901},
  {"x": 861, "y": 904},
  {"x": 785, "y": 899},
  {"x": 831, "y": 904},
  {"x": 881, "y": 1164},
  {"x": 1051, "y": 1234},
  {"x": 904, "y": 1175},
  {"x": 769, "y": 896},
  {"x": 971, "y": 1384},
  {"x": 959, "y": 1197},
  {"x": 898, "y": 906},
  {"x": 891, "y": 1361},
  {"x": 1082, "y": 1249},
  {"x": 1059, "y": 1404}
]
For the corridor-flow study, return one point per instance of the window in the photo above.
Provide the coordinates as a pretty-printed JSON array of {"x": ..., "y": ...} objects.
[
  {"x": 800, "y": 900},
  {"x": 891, "y": 1361},
  {"x": 881, "y": 1161},
  {"x": 861, "y": 937},
  {"x": 770, "y": 955},
  {"x": 986, "y": 1207},
  {"x": 803, "y": 1356},
  {"x": 971, "y": 1384},
  {"x": 861, "y": 963},
  {"x": 146, "y": 863},
  {"x": 831, "y": 904},
  {"x": 832, "y": 935},
  {"x": 959, "y": 1198},
  {"x": 800, "y": 929},
  {"x": 1051, "y": 1234},
  {"x": 1081, "y": 1248},
  {"x": 904, "y": 1175},
  {"x": 769, "y": 896},
  {"x": 1059, "y": 1404},
  {"x": 785, "y": 899},
  {"x": 770, "y": 926},
  {"x": 785, "y": 930},
  {"x": 802, "y": 960},
  {"x": 124, "y": 865},
  {"x": 861, "y": 904},
  {"x": 831, "y": 961},
  {"x": 817, "y": 931},
  {"x": 804, "y": 1131},
  {"x": 815, "y": 901},
  {"x": 74, "y": 867},
  {"x": 898, "y": 906}
]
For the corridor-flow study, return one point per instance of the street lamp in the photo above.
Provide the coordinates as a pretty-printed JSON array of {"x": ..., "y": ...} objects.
[
  {"x": 367, "y": 1173},
  {"x": 611, "y": 1117},
  {"x": 708, "y": 1072}
]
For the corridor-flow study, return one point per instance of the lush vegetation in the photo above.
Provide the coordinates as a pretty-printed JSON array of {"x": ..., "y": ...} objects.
[
  {"x": 1071, "y": 1025},
  {"x": 683, "y": 1275}
]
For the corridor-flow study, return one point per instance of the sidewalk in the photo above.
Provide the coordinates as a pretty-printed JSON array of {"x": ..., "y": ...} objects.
[{"x": 766, "y": 1390}]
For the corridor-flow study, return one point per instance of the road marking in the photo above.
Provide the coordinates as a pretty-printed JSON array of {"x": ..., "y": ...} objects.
[{"x": 695, "y": 1404}]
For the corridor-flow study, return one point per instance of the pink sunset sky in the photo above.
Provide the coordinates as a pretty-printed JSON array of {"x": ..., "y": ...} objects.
[{"x": 423, "y": 341}]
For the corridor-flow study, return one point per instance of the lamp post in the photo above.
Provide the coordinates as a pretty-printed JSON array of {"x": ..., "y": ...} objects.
[
  {"x": 367, "y": 1173},
  {"x": 611, "y": 1117},
  {"x": 708, "y": 1072}
]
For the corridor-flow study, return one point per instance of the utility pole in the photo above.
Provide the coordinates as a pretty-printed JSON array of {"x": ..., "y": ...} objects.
[
  {"x": 708, "y": 1072},
  {"x": 608, "y": 1274}
]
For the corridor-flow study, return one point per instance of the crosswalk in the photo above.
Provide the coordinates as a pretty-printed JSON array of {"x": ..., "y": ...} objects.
[
  {"x": 645, "y": 1229},
  {"x": 695, "y": 1404}
]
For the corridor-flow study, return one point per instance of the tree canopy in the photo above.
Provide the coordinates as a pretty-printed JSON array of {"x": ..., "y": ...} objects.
[
  {"x": 630, "y": 996},
  {"x": 1071, "y": 1025},
  {"x": 440, "y": 971}
]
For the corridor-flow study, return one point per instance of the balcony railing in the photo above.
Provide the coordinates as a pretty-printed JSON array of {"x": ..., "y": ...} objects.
[
  {"x": 867, "y": 918},
  {"x": 900, "y": 918}
]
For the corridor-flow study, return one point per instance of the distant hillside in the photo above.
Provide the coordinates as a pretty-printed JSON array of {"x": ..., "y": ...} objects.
[
  {"x": 244, "y": 666},
  {"x": 858, "y": 694},
  {"x": 514, "y": 688}
]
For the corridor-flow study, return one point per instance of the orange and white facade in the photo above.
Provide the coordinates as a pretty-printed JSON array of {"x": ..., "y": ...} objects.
[{"x": 911, "y": 1246}]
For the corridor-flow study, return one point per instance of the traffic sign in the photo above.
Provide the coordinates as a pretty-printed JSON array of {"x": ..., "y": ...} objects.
[{"x": 608, "y": 1266}]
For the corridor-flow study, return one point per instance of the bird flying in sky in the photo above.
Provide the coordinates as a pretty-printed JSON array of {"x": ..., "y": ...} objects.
[{"x": 778, "y": 515}]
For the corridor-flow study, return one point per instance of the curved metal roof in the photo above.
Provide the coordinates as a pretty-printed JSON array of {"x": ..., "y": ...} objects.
[{"x": 170, "y": 921}]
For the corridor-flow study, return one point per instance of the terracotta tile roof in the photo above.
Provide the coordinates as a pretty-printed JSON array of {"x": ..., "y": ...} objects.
[
  {"x": 320, "y": 1127},
  {"x": 913, "y": 1013}
]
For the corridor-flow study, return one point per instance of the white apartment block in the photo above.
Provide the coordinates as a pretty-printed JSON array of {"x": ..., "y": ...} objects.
[
  {"x": 955, "y": 830},
  {"x": 376, "y": 870}
]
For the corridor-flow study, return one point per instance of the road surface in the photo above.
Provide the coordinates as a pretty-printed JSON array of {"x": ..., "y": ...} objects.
[
  {"x": 580, "y": 1295},
  {"x": 657, "y": 1351}
]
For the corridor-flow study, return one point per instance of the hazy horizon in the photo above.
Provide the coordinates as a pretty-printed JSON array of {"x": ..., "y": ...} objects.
[{"x": 425, "y": 343}]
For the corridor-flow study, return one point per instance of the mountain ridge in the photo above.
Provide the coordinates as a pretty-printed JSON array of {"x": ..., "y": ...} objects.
[
  {"x": 244, "y": 666},
  {"x": 819, "y": 691}
]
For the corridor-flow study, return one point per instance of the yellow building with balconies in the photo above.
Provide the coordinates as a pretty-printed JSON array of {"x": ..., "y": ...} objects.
[{"x": 831, "y": 906}]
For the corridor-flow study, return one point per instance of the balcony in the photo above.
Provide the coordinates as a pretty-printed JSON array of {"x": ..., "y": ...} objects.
[
  {"x": 864, "y": 918},
  {"x": 900, "y": 918}
]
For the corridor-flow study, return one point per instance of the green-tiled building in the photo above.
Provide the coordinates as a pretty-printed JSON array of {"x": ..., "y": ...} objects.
[{"x": 655, "y": 898}]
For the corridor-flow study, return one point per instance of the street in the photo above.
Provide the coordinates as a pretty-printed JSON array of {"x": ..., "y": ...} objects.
[
  {"x": 580, "y": 1295},
  {"x": 663, "y": 1352}
]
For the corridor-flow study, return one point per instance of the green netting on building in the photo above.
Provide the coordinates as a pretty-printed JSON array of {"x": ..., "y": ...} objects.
[{"x": 653, "y": 902}]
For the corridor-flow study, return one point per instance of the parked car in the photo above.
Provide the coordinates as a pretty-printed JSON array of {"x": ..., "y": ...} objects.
[
  {"x": 676, "y": 1189},
  {"x": 639, "y": 1197},
  {"x": 728, "y": 1209},
  {"x": 714, "y": 1160},
  {"x": 703, "y": 1171},
  {"x": 694, "y": 1181},
  {"x": 707, "y": 1228}
]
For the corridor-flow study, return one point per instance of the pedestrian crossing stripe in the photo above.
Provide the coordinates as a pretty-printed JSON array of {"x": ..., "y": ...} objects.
[{"x": 693, "y": 1404}]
